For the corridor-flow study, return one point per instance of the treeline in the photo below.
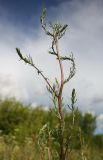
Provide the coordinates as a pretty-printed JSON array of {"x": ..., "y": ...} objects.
[{"x": 24, "y": 121}]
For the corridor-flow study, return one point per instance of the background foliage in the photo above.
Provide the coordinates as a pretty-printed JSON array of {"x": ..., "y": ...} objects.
[{"x": 20, "y": 125}]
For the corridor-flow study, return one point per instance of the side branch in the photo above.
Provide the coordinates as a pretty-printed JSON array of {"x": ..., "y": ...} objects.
[
  {"x": 43, "y": 24},
  {"x": 72, "y": 68},
  {"x": 28, "y": 60}
]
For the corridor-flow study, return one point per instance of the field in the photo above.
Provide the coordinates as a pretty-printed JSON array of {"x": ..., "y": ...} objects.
[
  {"x": 20, "y": 127},
  {"x": 11, "y": 150}
]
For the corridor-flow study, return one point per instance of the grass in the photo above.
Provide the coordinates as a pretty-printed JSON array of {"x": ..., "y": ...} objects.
[{"x": 10, "y": 149}]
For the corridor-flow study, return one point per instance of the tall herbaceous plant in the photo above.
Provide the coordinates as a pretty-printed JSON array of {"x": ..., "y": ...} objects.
[{"x": 55, "y": 143}]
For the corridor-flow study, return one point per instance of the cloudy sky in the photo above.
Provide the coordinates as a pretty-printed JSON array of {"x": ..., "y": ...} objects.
[{"x": 20, "y": 27}]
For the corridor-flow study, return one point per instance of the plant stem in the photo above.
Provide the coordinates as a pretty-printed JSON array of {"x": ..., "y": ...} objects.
[
  {"x": 49, "y": 148},
  {"x": 61, "y": 120},
  {"x": 62, "y": 81}
]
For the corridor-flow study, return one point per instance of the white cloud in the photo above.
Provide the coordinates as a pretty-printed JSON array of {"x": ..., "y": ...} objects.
[
  {"x": 100, "y": 117},
  {"x": 10, "y": 88},
  {"x": 84, "y": 38}
]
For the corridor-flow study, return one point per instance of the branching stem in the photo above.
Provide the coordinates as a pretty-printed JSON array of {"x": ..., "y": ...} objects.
[
  {"x": 60, "y": 102},
  {"x": 28, "y": 60}
]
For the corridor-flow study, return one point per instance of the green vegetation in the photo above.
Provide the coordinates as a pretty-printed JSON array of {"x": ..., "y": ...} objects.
[
  {"x": 20, "y": 124},
  {"x": 54, "y": 142},
  {"x": 62, "y": 133}
]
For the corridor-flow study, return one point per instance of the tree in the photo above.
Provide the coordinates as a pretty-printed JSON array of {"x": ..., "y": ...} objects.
[
  {"x": 12, "y": 113},
  {"x": 88, "y": 124},
  {"x": 98, "y": 141}
]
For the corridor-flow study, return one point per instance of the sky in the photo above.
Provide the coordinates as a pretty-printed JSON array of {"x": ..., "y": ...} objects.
[{"x": 20, "y": 27}]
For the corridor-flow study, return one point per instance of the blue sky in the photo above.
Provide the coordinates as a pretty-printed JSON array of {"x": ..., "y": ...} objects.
[
  {"x": 26, "y": 11},
  {"x": 20, "y": 27}
]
